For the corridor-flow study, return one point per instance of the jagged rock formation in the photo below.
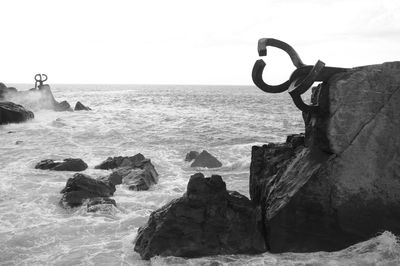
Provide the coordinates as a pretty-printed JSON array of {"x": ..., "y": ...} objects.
[
  {"x": 80, "y": 107},
  {"x": 69, "y": 164},
  {"x": 206, "y": 220},
  {"x": 341, "y": 186},
  {"x": 135, "y": 171},
  {"x": 190, "y": 156},
  {"x": 13, "y": 113},
  {"x": 81, "y": 188},
  {"x": 205, "y": 159}
]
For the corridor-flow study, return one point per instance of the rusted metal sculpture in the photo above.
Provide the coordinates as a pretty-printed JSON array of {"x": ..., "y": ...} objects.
[
  {"x": 301, "y": 79},
  {"x": 40, "y": 78}
]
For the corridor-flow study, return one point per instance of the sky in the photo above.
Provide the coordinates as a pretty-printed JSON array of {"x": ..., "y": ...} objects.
[{"x": 188, "y": 42}]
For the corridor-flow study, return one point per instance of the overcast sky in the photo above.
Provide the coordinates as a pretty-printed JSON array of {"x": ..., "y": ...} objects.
[{"x": 188, "y": 42}]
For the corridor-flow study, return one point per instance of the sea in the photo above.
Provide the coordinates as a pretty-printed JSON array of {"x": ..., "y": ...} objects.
[{"x": 163, "y": 122}]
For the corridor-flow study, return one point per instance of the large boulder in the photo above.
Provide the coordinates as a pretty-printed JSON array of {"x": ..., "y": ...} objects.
[
  {"x": 206, "y": 220},
  {"x": 340, "y": 185},
  {"x": 13, "y": 113},
  {"x": 205, "y": 159},
  {"x": 62, "y": 106},
  {"x": 81, "y": 188},
  {"x": 69, "y": 164},
  {"x": 80, "y": 107},
  {"x": 121, "y": 161},
  {"x": 5, "y": 91}
]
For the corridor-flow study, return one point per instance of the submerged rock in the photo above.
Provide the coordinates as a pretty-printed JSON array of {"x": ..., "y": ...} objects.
[
  {"x": 205, "y": 159},
  {"x": 80, "y": 107},
  {"x": 207, "y": 220},
  {"x": 82, "y": 187},
  {"x": 190, "y": 156},
  {"x": 100, "y": 204},
  {"x": 120, "y": 161},
  {"x": 69, "y": 164},
  {"x": 13, "y": 113},
  {"x": 340, "y": 187}
]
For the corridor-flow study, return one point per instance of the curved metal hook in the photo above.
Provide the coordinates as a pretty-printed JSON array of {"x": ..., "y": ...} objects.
[
  {"x": 259, "y": 82},
  {"x": 39, "y": 79},
  {"x": 298, "y": 87},
  {"x": 264, "y": 42},
  {"x": 260, "y": 64}
]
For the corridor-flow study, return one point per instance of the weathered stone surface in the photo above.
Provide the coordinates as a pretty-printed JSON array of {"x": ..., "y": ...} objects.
[
  {"x": 205, "y": 159},
  {"x": 13, "y": 113},
  {"x": 100, "y": 204},
  {"x": 62, "y": 106},
  {"x": 190, "y": 156},
  {"x": 206, "y": 220},
  {"x": 69, "y": 164},
  {"x": 138, "y": 175},
  {"x": 120, "y": 161},
  {"x": 343, "y": 186},
  {"x": 82, "y": 187},
  {"x": 80, "y": 107}
]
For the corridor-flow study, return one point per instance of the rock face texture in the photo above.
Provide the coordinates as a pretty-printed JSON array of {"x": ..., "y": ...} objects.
[
  {"x": 205, "y": 159},
  {"x": 121, "y": 161},
  {"x": 206, "y": 220},
  {"x": 69, "y": 164},
  {"x": 80, "y": 107},
  {"x": 340, "y": 184},
  {"x": 136, "y": 171},
  {"x": 190, "y": 156},
  {"x": 82, "y": 187},
  {"x": 13, "y": 113}
]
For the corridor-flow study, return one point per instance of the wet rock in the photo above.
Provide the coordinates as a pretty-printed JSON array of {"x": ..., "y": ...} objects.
[
  {"x": 80, "y": 107},
  {"x": 82, "y": 187},
  {"x": 207, "y": 220},
  {"x": 19, "y": 142},
  {"x": 13, "y": 113},
  {"x": 190, "y": 156},
  {"x": 120, "y": 161},
  {"x": 100, "y": 204},
  {"x": 341, "y": 187},
  {"x": 140, "y": 177},
  {"x": 69, "y": 164},
  {"x": 62, "y": 106},
  {"x": 205, "y": 159}
]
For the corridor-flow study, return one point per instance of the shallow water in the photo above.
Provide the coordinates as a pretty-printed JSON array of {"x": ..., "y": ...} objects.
[{"x": 163, "y": 123}]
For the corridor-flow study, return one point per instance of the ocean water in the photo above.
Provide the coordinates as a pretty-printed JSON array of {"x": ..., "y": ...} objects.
[{"x": 163, "y": 123}]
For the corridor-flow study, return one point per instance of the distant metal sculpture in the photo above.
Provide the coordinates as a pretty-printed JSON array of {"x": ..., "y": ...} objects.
[
  {"x": 301, "y": 79},
  {"x": 40, "y": 78}
]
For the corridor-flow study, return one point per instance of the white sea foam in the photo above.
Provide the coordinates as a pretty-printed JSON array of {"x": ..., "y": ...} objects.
[{"x": 161, "y": 122}]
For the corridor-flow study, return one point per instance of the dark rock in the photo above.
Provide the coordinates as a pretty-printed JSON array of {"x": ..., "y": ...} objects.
[
  {"x": 69, "y": 164},
  {"x": 19, "y": 142},
  {"x": 13, "y": 113},
  {"x": 191, "y": 156},
  {"x": 141, "y": 177},
  {"x": 98, "y": 204},
  {"x": 207, "y": 220},
  {"x": 342, "y": 187},
  {"x": 82, "y": 187},
  {"x": 80, "y": 107},
  {"x": 114, "y": 162},
  {"x": 62, "y": 106},
  {"x": 205, "y": 159}
]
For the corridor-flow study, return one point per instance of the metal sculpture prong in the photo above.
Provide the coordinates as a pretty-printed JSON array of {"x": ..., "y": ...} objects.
[
  {"x": 301, "y": 79},
  {"x": 260, "y": 64},
  {"x": 40, "y": 78}
]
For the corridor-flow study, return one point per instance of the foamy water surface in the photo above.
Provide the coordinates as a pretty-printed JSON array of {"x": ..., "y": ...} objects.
[{"x": 163, "y": 123}]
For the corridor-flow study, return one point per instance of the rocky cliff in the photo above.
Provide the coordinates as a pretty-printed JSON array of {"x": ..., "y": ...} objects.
[{"x": 340, "y": 183}]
